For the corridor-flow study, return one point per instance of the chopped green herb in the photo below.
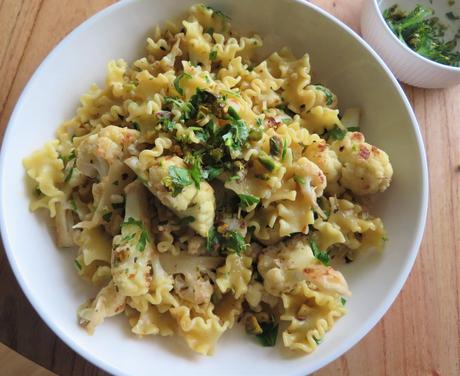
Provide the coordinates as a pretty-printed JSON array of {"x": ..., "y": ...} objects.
[
  {"x": 320, "y": 255},
  {"x": 77, "y": 264},
  {"x": 236, "y": 133},
  {"x": 421, "y": 31},
  {"x": 142, "y": 241},
  {"x": 143, "y": 236},
  {"x": 233, "y": 242},
  {"x": 178, "y": 179},
  {"x": 255, "y": 134},
  {"x": 247, "y": 201},
  {"x": 353, "y": 129},
  {"x": 228, "y": 242},
  {"x": 127, "y": 238},
  {"x": 213, "y": 55},
  {"x": 212, "y": 240},
  {"x": 69, "y": 174},
  {"x": 318, "y": 341},
  {"x": 269, "y": 334},
  {"x": 343, "y": 301},
  {"x": 212, "y": 172},
  {"x": 336, "y": 133},
  {"x": 177, "y": 82},
  {"x": 327, "y": 93},
  {"x": 107, "y": 216},
  {"x": 195, "y": 171},
  {"x": 233, "y": 114}
]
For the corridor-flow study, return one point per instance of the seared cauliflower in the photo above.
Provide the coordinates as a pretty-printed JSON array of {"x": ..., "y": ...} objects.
[
  {"x": 97, "y": 152},
  {"x": 132, "y": 249},
  {"x": 198, "y": 205},
  {"x": 320, "y": 153},
  {"x": 283, "y": 265},
  {"x": 366, "y": 168}
]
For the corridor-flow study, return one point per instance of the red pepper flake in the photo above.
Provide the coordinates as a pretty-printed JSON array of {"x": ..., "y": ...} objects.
[{"x": 272, "y": 123}]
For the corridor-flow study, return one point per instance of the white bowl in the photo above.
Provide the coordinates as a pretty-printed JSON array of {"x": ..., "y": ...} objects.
[
  {"x": 407, "y": 65},
  {"x": 341, "y": 61}
]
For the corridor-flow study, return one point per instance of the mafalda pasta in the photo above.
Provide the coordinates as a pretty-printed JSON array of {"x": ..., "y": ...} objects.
[{"x": 203, "y": 187}]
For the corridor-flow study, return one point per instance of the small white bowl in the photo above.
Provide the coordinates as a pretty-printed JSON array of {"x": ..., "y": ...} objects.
[
  {"x": 406, "y": 64},
  {"x": 350, "y": 68}
]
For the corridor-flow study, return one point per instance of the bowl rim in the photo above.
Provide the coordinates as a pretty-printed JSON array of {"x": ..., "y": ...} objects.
[
  {"x": 355, "y": 337},
  {"x": 406, "y": 48}
]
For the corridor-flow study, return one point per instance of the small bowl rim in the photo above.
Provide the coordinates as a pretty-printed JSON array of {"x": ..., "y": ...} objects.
[{"x": 434, "y": 64}]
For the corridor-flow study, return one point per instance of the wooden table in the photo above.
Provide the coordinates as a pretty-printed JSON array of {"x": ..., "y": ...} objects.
[{"x": 421, "y": 332}]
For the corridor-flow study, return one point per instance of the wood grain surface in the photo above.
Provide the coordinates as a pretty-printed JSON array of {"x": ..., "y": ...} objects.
[{"x": 420, "y": 334}]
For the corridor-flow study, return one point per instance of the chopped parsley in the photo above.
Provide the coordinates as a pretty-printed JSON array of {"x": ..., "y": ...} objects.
[
  {"x": 322, "y": 256},
  {"x": 343, "y": 301},
  {"x": 269, "y": 334},
  {"x": 77, "y": 264},
  {"x": 213, "y": 55},
  {"x": 327, "y": 93},
  {"x": 421, "y": 31},
  {"x": 177, "y": 82},
  {"x": 235, "y": 133},
  {"x": 211, "y": 173},
  {"x": 336, "y": 133},
  {"x": 143, "y": 236},
  {"x": 247, "y": 201},
  {"x": 227, "y": 242},
  {"x": 317, "y": 341},
  {"x": 178, "y": 179}
]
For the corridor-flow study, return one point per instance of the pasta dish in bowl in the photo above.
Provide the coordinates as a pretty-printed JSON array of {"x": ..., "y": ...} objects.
[{"x": 203, "y": 187}]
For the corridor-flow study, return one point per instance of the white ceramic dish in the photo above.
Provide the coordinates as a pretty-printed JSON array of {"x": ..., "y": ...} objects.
[
  {"x": 341, "y": 61},
  {"x": 406, "y": 64}
]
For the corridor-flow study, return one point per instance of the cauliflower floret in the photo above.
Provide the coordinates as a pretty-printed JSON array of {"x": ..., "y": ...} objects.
[
  {"x": 285, "y": 264},
  {"x": 132, "y": 249},
  {"x": 366, "y": 168},
  {"x": 98, "y": 151},
  {"x": 191, "y": 202},
  {"x": 326, "y": 159},
  {"x": 108, "y": 302}
]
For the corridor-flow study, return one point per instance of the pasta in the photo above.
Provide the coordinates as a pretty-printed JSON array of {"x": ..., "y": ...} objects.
[{"x": 203, "y": 186}]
